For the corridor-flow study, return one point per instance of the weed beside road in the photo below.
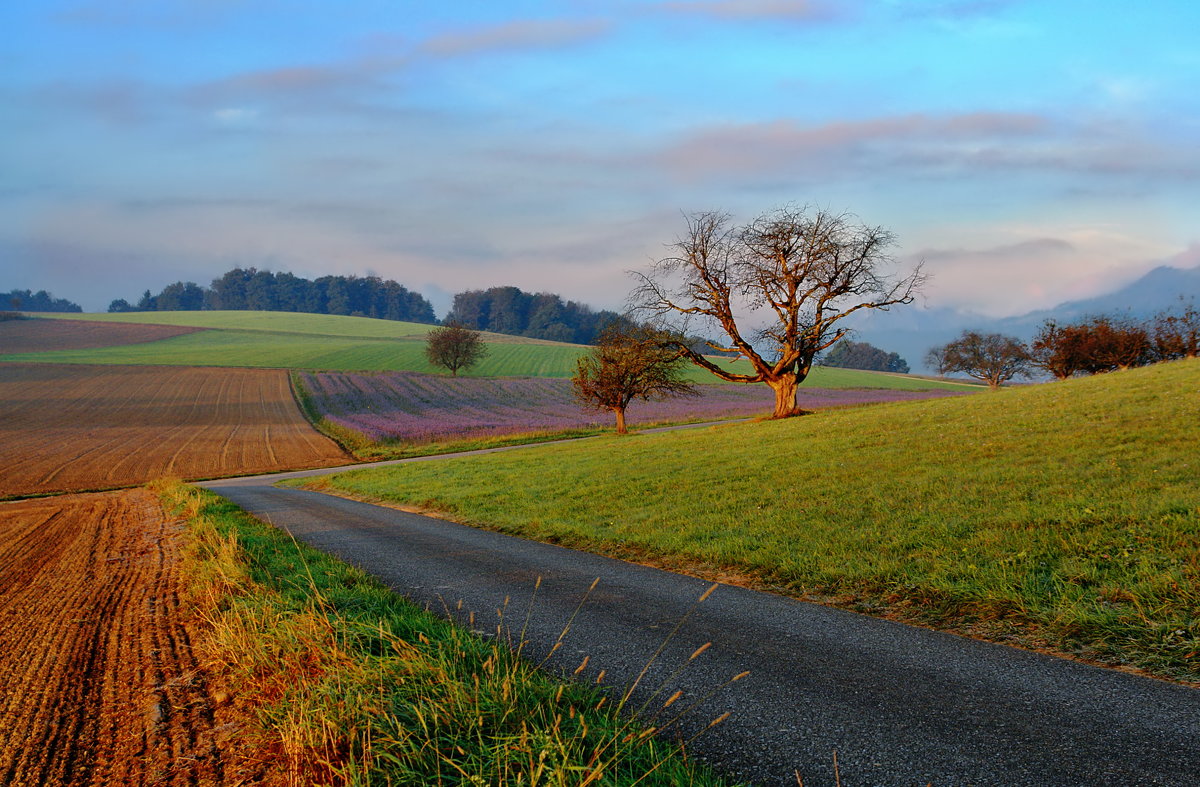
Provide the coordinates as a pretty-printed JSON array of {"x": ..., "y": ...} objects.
[{"x": 353, "y": 684}]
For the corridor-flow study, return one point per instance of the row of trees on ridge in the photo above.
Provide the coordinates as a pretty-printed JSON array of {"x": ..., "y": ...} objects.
[
  {"x": 861, "y": 355},
  {"x": 252, "y": 289},
  {"x": 40, "y": 301},
  {"x": 542, "y": 315},
  {"x": 1090, "y": 346}
]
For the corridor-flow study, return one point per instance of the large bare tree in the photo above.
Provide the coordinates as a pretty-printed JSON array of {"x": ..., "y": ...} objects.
[{"x": 778, "y": 288}]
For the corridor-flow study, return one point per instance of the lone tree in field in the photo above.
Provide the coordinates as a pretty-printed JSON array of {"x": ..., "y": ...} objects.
[
  {"x": 794, "y": 272},
  {"x": 454, "y": 347},
  {"x": 630, "y": 363},
  {"x": 990, "y": 357}
]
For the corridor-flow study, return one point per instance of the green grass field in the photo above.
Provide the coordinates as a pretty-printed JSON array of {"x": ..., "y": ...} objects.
[
  {"x": 313, "y": 352},
  {"x": 275, "y": 322},
  {"x": 1064, "y": 515},
  {"x": 314, "y": 342}
]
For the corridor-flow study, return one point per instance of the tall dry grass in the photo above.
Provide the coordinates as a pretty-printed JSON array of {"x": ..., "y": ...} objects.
[{"x": 353, "y": 685}]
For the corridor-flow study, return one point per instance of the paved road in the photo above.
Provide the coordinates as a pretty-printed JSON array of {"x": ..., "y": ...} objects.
[{"x": 900, "y": 705}]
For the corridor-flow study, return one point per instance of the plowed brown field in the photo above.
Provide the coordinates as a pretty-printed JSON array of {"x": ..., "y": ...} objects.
[
  {"x": 98, "y": 684},
  {"x": 31, "y": 336},
  {"x": 76, "y": 428}
]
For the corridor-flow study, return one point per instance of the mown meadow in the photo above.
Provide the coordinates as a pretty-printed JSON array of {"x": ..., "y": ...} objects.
[
  {"x": 349, "y": 683},
  {"x": 1063, "y": 516}
]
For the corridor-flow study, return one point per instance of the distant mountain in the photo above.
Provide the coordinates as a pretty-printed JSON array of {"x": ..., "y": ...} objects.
[
  {"x": 1157, "y": 290},
  {"x": 911, "y": 331}
]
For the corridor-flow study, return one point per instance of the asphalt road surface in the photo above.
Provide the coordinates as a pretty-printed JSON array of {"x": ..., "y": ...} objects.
[{"x": 900, "y": 705}]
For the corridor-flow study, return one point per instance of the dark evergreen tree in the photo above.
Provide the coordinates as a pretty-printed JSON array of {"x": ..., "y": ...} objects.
[
  {"x": 250, "y": 288},
  {"x": 40, "y": 301},
  {"x": 861, "y": 355},
  {"x": 180, "y": 296},
  {"x": 541, "y": 316}
]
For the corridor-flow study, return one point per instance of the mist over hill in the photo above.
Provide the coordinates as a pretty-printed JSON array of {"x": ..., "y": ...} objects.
[{"x": 911, "y": 330}]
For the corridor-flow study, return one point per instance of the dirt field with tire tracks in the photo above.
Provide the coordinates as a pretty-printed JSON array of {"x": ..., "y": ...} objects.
[
  {"x": 98, "y": 684},
  {"x": 69, "y": 428}
]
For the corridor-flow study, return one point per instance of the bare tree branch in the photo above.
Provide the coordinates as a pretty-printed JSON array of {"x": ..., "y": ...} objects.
[{"x": 808, "y": 269}]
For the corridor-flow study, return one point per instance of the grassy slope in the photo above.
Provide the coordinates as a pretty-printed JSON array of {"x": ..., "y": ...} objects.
[
  {"x": 336, "y": 343},
  {"x": 351, "y": 683},
  {"x": 1065, "y": 514}
]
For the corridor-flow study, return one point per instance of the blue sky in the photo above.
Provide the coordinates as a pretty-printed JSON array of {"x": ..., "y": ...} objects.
[{"x": 1029, "y": 152}]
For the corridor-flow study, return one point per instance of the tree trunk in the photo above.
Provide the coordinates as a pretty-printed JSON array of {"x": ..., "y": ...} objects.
[
  {"x": 620, "y": 412},
  {"x": 785, "y": 396}
]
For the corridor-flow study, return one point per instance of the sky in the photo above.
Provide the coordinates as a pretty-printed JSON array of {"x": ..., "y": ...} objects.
[{"x": 1029, "y": 153}]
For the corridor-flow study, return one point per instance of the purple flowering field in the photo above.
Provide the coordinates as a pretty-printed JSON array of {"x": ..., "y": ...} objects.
[{"x": 420, "y": 408}]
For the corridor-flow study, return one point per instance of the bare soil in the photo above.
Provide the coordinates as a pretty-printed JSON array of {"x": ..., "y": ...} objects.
[
  {"x": 71, "y": 428},
  {"x": 42, "y": 335},
  {"x": 98, "y": 683}
]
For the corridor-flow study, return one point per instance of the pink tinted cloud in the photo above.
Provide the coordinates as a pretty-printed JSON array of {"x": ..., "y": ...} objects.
[
  {"x": 290, "y": 80},
  {"x": 795, "y": 10},
  {"x": 121, "y": 102},
  {"x": 517, "y": 35},
  {"x": 926, "y": 145},
  {"x": 768, "y": 146},
  {"x": 1041, "y": 272},
  {"x": 1188, "y": 258}
]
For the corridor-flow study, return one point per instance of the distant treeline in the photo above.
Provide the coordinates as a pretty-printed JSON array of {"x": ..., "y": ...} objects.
[
  {"x": 540, "y": 316},
  {"x": 861, "y": 355},
  {"x": 40, "y": 301},
  {"x": 249, "y": 289}
]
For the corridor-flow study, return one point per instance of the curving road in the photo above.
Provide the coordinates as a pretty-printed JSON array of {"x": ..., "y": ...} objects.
[{"x": 900, "y": 705}]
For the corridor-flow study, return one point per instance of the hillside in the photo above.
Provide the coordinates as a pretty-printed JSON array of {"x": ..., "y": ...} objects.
[
  {"x": 1063, "y": 515},
  {"x": 336, "y": 343}
]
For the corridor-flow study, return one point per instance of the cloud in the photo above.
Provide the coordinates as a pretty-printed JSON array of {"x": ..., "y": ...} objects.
[
  {"x": 1188, "y": 258},
  {"x": 790, "y": 146},
  {"x": 312, "y": 86},
  {"x": 516, "y": 35},
  {"x": 925, "y": 146},
  {"x": 119, "y": 102},
  {"x": 793, "y": 10},
  {"x": 1037, "y": 273},
  {"x": 235, "y": 116}
]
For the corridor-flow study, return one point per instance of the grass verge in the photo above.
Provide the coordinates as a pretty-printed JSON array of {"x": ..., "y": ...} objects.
[
  {"x": 1062, "y": 517},
  {"x": 351, "y": 684}
]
